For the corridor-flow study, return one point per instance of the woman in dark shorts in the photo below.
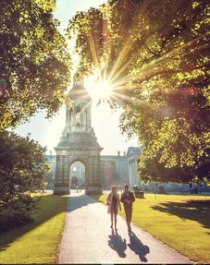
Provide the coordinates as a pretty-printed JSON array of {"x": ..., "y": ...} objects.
[{"x": 113, "y": 201}]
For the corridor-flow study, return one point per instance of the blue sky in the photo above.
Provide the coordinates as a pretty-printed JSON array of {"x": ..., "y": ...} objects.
[{"x": 104, "y": 121}]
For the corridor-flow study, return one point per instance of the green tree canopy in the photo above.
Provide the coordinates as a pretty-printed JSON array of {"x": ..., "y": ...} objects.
[
  {"x": 22, "y": 167},
  {"x": 158, "y": 51},
  {"x": 34, "y": 61}
]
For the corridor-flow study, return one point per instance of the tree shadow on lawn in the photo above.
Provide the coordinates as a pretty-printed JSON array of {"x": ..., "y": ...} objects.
[
  {"x": 192, "y": 210},
  {"x": 44, "y": 212}
]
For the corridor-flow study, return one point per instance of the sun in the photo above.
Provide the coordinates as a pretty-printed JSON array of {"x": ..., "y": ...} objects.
[
  {"x": 104, "y": 89},
  {"x": 100, "y": 90}
]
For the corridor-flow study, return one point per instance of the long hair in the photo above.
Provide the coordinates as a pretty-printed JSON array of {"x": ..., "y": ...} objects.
[{"x": 114, "y": 191}]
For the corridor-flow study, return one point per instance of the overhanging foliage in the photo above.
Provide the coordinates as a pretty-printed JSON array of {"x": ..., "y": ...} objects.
[{"x": 158, "y": 51}]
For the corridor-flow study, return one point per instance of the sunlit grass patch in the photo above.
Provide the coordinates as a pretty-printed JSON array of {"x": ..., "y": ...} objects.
[{"x": 36, "y": 242}]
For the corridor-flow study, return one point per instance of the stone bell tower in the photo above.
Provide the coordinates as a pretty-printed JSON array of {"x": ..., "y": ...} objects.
[{"x": 78, "y": 143}]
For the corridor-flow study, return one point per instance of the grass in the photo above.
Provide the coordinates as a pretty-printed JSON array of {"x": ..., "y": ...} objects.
[
  {"x": 36, "y": 242},
  {"x": 180, "y": 221}
]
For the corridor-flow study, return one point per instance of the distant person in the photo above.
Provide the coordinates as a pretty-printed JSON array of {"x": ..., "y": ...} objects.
[
  {"x": 113, "y": 201},
  {"x": 200, "y": 188},
  {"x": 127, "y": 199}
]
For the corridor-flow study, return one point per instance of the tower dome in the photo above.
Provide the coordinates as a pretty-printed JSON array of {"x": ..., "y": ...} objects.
[
  {"x": 78, "y": 92},
  {"x": 78, "y": 115}
]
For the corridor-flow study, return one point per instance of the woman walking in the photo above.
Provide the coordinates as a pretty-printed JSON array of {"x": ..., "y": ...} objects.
[{"x": 113, "y": 201}]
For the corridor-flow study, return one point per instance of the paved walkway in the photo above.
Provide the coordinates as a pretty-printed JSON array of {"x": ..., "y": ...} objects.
[{"x": 88, "y": 238}]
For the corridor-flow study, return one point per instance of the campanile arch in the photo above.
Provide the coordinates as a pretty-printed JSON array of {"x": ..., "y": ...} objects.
[{"x": 78, "y": 143}]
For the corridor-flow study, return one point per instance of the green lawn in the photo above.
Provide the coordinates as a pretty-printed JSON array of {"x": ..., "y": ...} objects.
[
  {"x": 178, "y": 220},
  {"x": 36, "y": 242}
]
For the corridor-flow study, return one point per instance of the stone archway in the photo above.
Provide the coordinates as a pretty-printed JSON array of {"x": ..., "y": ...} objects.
[
  {"x": 89, "y": 157},
  {"x": 77, "y": 175}
]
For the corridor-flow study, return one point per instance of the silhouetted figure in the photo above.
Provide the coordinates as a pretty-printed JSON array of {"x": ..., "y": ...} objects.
[
  {"x": 127, "y": 199},
  {"x": 118, "y": 244},
  {"x": 137, "y": 247}
]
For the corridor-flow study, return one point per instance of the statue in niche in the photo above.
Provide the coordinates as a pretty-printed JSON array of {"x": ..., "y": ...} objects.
[{"x": 78, "y": 116}]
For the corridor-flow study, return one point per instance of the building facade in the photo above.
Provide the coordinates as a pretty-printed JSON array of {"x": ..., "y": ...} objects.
[
  {"x": 114, "y": 170},
  {"x": 120, "y": 170}
]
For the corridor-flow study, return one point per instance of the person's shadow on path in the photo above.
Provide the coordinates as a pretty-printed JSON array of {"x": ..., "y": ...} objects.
[
  {"x": 117, "y": 243},
  {"x": 137, "y": 246}
]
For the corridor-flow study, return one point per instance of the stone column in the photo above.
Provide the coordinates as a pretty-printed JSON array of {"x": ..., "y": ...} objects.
[
  {"x": 58, "y": 169},
  {"x": 66, "y": 170},
  {"x": 90, "y": 170},
  {"x": 134, "y": 172},
  {"x": 130, "y": 174},
  {"x": 89, "y": 116},
  {"x": 94, "y": 185},
  {"x": 60, "y": 186}
]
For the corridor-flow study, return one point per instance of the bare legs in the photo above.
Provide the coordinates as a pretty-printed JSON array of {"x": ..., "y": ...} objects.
[
  {"x": 115, "y": 221},
  {"x": 111, "y": 220},
  {"x": 114, "y": 216}
]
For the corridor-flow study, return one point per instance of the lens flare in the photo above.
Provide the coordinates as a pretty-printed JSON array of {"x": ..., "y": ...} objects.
[{"x": 99, "y": 90}]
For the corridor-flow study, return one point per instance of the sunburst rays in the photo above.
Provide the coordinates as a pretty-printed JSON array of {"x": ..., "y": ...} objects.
[
  {"x": 105, "y": 86},
  {"x": 118, "y": 76}
]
